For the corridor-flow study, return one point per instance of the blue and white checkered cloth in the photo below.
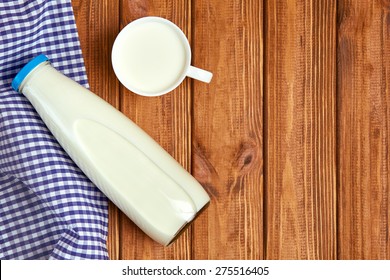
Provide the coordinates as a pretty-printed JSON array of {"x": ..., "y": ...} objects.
[{"x": 48, "y": 208}]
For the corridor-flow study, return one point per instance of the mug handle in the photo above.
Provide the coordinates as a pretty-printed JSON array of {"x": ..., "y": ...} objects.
[{"x": 199, "y": 74}]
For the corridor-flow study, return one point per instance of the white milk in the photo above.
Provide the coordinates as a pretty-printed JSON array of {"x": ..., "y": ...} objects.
[
  {"x": 150, "y": 57},
  {"x": 136, "y": 173}
]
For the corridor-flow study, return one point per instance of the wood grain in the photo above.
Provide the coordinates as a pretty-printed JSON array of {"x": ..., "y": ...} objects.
[
  {"x": 97, "y": 28},
  {"x": 291, "y": 137},
  {"x": 227, "y": 128},
  {"x": 167, "y": 119},
  {"x": 300, "y": 95},
  {"x": 364, "y": 129}
]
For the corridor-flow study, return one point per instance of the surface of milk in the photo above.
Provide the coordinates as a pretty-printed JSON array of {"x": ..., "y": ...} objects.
[{"x": 150, "y": 57}]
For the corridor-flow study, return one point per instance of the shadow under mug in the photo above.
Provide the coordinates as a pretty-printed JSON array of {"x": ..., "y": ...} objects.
[{"x": 151, "y": 56}]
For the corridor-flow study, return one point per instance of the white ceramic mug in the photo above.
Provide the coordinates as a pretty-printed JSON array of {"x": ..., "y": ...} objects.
[{"x": 151, "y": 56}]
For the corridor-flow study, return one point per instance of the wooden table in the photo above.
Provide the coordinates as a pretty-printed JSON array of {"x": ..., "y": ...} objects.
[{"x": 290, "y": 139}]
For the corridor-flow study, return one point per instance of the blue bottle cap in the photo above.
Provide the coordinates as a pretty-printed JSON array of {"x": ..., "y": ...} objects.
[{"x": 22, "y": 74}]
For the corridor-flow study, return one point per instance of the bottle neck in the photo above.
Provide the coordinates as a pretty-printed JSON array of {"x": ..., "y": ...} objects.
[{"x": 31, "y": 74}]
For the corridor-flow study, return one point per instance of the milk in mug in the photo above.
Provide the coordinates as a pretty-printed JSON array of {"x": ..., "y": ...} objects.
[{"x": 150, "y": 56}]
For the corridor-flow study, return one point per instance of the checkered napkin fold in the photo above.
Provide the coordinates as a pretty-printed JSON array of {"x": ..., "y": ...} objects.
[{"x": 48, "y": 208}]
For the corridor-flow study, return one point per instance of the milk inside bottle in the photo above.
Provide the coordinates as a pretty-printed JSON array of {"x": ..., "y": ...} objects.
[{"x": 124, "y": 162}]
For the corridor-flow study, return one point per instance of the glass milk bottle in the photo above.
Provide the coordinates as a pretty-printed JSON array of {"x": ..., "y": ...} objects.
[{"x": 124, "y": 162}]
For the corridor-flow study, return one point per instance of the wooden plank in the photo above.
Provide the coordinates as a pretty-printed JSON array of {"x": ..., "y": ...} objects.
[
  {"x": 167, "y": 119},
  {"x": 227, "y": 128},
  {"x": 364, "y": 129},
  {"x": 300, "y": 130},
  {"x": 97, "y": 24}
]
